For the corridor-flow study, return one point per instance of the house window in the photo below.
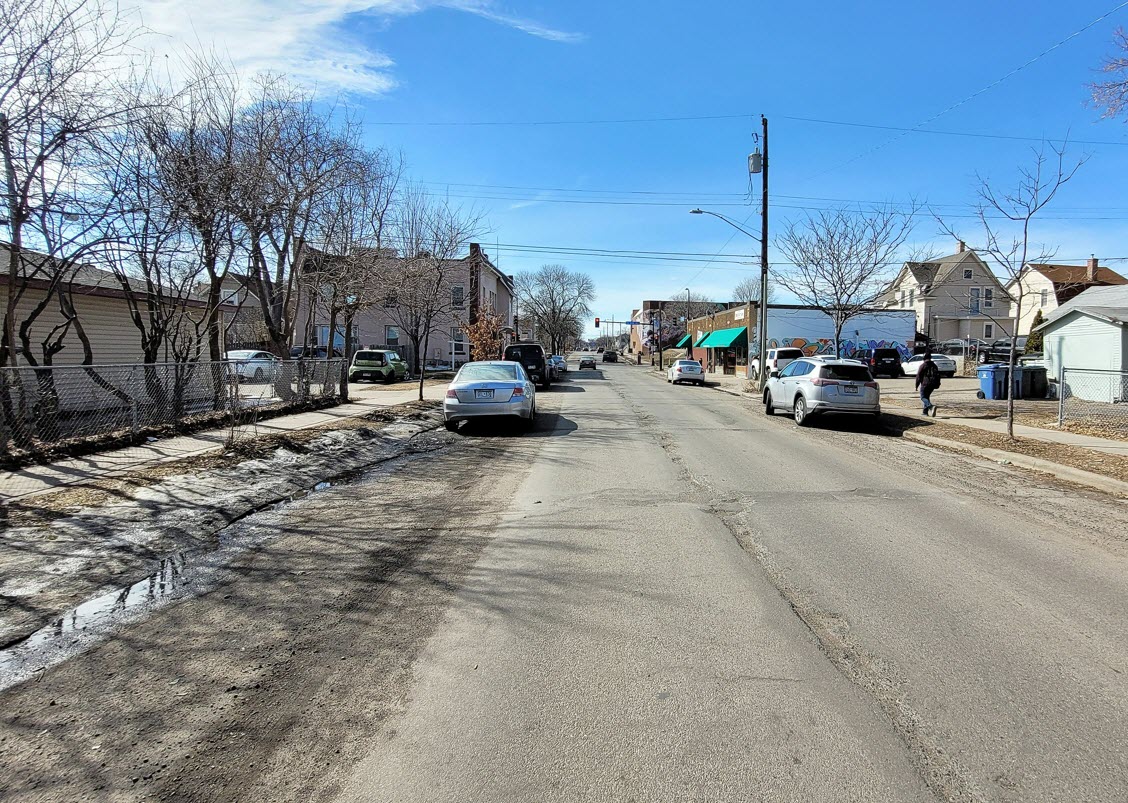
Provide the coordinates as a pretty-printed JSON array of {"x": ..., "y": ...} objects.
[
  {"x": 988, "y": 331},
  {"x": 973, "y": 303},
  {"x": 1045, "y": 296},
  {"x": 457, "y": 296},
  {"x": 968, "y": 273},
  {"x": 988, "y": 298},
  {"x": 493, "y": 301},
  {"x": 912, "y": 296},
  {"x": 457, "y": 344},
  {"x": 391, "y": 336}
]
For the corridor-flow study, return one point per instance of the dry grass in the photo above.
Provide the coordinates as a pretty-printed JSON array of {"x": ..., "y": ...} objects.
[{"x": 1108, "y": 465}]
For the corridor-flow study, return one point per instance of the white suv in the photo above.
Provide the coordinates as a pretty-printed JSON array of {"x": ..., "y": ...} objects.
[
  {"x": 822, "y": 384},
  {"x": 777, "y": 359}
]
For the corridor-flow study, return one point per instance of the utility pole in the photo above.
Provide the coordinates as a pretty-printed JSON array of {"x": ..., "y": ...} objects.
[{"x": 763, "y": 311}]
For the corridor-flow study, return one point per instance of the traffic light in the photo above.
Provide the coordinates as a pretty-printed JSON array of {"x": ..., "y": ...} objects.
[{"x": 597, "y": 323}]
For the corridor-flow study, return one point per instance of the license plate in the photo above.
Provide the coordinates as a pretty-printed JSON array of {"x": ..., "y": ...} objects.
[
  {"x": 483, "y": 394},
  {"x": 850, "y": 389}
]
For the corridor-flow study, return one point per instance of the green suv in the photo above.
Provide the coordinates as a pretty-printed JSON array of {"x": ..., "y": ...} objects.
[{"x": 377, "y": 365}]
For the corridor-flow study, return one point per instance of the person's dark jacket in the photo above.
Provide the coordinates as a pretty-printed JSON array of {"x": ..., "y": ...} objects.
[{"x": 928, "y": 376}]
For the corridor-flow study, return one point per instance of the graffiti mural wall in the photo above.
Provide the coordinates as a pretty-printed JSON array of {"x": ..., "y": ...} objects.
[{"x": 813, "y": 331}]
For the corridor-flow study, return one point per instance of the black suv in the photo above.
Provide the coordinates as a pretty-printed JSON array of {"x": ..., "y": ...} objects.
[
  {"x": 885, "y": 362},
  {"x": 1000, "y": 350},
  {"x": 610, "y": 356},
  {"x": 532, "y": 359}
]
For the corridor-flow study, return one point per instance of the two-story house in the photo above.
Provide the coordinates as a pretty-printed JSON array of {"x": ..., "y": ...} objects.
[
  {"x": 474, "y": 283},
  {"x": 1045, "y": 287},
  {"x": 956, "y": 296}
]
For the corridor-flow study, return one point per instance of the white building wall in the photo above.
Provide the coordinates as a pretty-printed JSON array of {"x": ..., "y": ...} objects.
[{"x": 1080, "y": 342}]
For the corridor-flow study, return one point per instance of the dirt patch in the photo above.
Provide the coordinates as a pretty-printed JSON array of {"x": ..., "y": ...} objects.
[
  {"x": 1107, "y": 465},
  {"x": 268, "y": 687},
  {"x": 79, "y": 447},
  {"x": 101, "y": 538},
  {"x": 45, "y": 508}
]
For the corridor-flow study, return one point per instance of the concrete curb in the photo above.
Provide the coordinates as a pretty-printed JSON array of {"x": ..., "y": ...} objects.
[{"x": 1068, "y": 473}]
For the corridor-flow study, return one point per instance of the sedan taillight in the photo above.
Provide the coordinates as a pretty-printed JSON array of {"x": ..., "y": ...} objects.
[
  {"x": 518, "y": 391},
  {"x": 872, "y": 385},
  {"x": 451, "y": 394}
]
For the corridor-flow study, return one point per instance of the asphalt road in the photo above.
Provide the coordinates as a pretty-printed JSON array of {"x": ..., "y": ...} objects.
[{"x": 659, "y": 595}]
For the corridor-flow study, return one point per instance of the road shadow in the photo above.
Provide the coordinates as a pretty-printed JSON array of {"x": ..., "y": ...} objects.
[{"x": 548, "y": 425}]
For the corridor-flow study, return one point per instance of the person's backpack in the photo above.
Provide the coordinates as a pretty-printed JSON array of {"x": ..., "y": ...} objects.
[{"x": 931, "y": 374}]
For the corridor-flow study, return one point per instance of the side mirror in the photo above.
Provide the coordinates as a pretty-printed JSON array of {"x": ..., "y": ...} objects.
[{"x": 773, "y": 374}]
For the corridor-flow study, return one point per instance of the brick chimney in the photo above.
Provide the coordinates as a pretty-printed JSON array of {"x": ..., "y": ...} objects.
[
  {"x": 1091, "y": 270},
  {"x": 963, "y": 246}
]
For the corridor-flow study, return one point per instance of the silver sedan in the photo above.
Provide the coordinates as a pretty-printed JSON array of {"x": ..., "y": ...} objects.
[{"x": 490, "y": 389}]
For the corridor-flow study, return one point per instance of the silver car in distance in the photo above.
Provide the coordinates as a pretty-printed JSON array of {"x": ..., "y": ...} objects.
[{"x": 490, "y": 389}]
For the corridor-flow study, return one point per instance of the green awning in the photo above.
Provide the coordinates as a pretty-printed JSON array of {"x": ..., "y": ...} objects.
[
  {"x": 723, "y": 338},
  {"x": 682, "y": 342},
  {"x": 702, "y": 339}
]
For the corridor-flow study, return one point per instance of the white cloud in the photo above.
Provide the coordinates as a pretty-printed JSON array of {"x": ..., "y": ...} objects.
[{"x": 308, "y": 40}]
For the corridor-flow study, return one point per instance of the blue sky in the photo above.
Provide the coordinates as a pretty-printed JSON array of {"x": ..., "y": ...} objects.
[{"x": 418, "y": 72}]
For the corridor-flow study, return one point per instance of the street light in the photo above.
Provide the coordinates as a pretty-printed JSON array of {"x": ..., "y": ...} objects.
[
  {"x": 756, "y": 164},
  {"x": 763, "y": 311}
]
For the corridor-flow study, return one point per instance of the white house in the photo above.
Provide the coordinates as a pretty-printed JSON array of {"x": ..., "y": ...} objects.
[{"x": 1090, "y": 334}]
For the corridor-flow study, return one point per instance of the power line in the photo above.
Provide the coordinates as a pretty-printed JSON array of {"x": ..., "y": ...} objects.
[{"x": 977, "y": 93}]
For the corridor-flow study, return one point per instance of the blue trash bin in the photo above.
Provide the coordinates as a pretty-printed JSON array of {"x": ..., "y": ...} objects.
[{"x": 992, "y": 381}]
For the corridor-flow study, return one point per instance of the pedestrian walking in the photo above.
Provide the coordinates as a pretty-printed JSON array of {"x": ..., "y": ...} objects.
[{"x": 927, "y": 380}]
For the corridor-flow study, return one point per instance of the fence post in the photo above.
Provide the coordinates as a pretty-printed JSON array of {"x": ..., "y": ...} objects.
[
  {"x": 1061, "y": 394},
  {"x": 133, "y": 397}
]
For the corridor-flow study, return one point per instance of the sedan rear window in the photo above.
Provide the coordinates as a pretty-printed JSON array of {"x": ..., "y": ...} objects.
[
  {"x": 487, "y": 373},
  {"x": 847, "y": 373}
]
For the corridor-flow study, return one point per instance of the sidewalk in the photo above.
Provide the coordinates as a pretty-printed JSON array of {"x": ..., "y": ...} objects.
[{"x": 39, "y": 479}]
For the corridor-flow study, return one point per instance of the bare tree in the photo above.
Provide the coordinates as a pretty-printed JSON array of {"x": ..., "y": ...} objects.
[
  {"x": 430, "y": 234},
  {"x": 1005, "y": 219},
  {"x": 290, "y": 156},
  {"x": 59, "y": 91},
  {"x": 1111, "y": 94},
  {"x": 191, "y": 135},
  {"x": 354, "y": 271},
  {"x": 841, "y": 259},
  {"x": 748, "y": 291},
  {"x": 556, "y": 300}
]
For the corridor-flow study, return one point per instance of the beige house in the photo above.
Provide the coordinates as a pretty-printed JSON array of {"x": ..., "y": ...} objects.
[
  {"x": 957, "y": 296},
  {"x": 98, "y": 305},
  {"x": 1045, "y": 287}
]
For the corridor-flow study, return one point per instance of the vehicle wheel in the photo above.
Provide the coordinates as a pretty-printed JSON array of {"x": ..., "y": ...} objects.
[
  {"x": 544, "y": 386},
  {"x": 259, "y": 375},
  {"x": 949, "y": 374},
  {"x": 390, "y": 377},
  {"x": 979, "y": 394},
  {"x": 801, "y": 416},
  {"x": 701, "y": 383},
  {"x": 531, "y": 421},
  {"x": 768, "y": 408},
  {"x": 451, "y": 426}
]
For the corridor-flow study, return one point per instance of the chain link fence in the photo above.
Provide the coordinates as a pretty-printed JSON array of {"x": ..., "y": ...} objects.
[
  {"x": 1094, "y": 399},
  {"x": 42, "y": 408}
]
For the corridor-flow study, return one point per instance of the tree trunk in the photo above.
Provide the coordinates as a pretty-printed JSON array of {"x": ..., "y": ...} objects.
[
  {"x": 347, "y": 357},
  {"x": 422, "y": 372}
]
